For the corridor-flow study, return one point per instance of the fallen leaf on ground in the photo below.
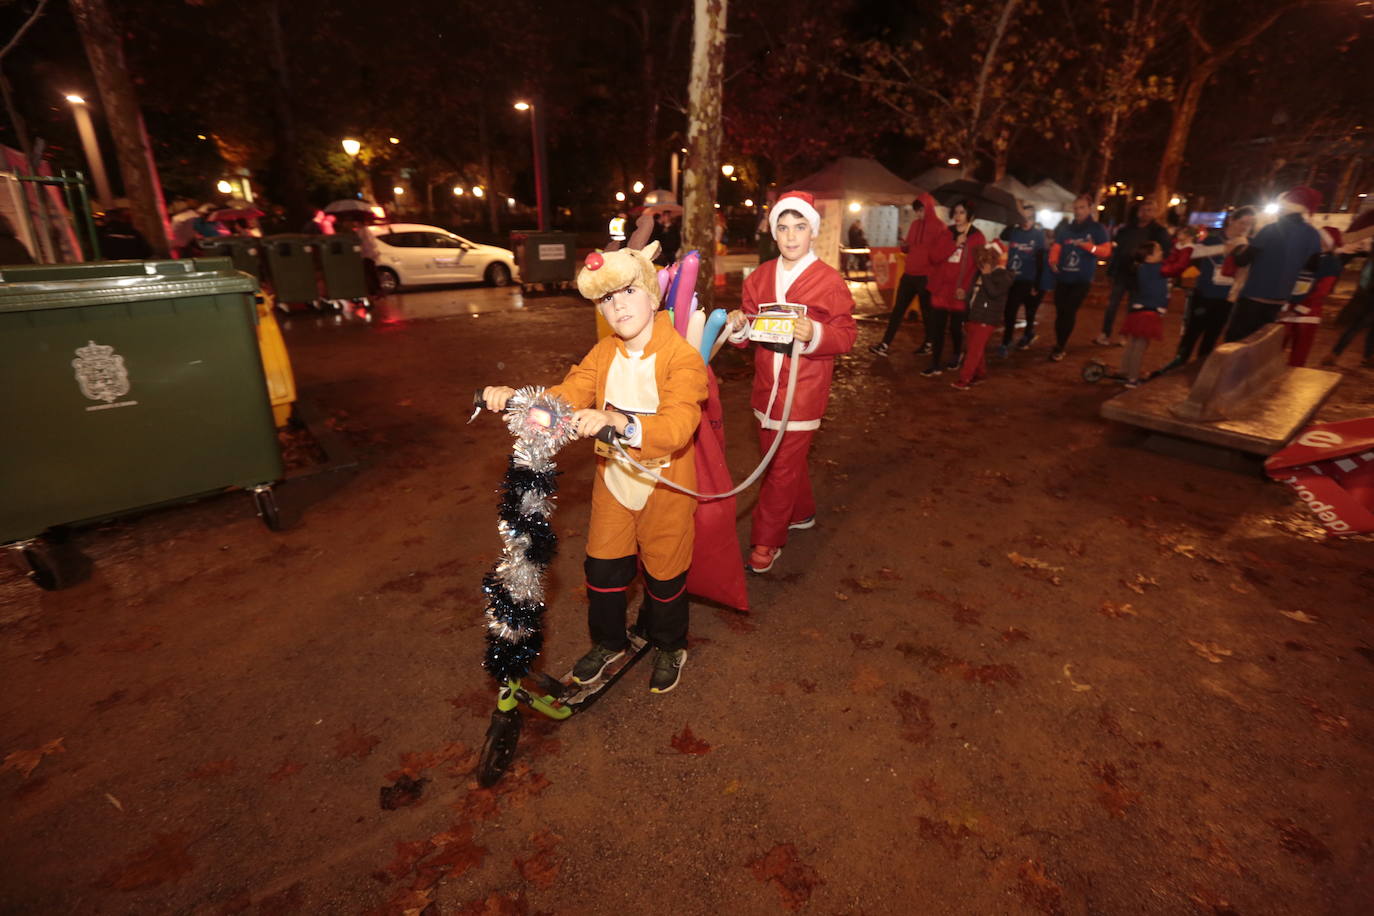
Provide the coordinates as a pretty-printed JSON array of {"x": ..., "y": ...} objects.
[
  {"x": 450, "y": 861},
  {"x": 1012, "y": 634},
  {"x": 407, "y": 854},
  {"x": 455, "y": 754},
  {"x": 841, "y": 596},
  {"x": 867, "y": 681},
  {"x": 917, "y": 723},
  {"x": 25, "y": 762},
  {"x": 541, "y": 869},
  {"x": 1327, "y": 722},
  {"x": 1039, "y": 568},
  {"x": 164, "y": 859},
  {"x": 119, "y": 805},
  {"x": 1210, "y": 651},
  {"x": 1299, "y": 842},
  {"x": 862, "y": 642},
  {"x": 285, "y": 771},
  {"x": 404, "y": 793},
  {"x": 476, "y": 702},
  {"x": 1139, "y": 583},
  {"x": 353, "y": 743},
  {"x": 1112, "y": 794},
  {"x": 511, "y": 903},
  {"x": 684, "y": 742},
  {"x": 1112, "y": 609},
  {"x": 1038, "y": 890},
  {"x": 946, "y": 834},
  {"x": 793, "y": 878},
  {"x": 1300, "y": 616},
  {"x": 1068, "y": 674}
]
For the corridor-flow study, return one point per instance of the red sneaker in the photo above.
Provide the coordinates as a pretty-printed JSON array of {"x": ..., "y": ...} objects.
[{"x": 761, "y": 558}]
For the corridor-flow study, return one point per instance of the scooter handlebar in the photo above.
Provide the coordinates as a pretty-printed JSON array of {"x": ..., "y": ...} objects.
[{"x": 606, "y": 434}]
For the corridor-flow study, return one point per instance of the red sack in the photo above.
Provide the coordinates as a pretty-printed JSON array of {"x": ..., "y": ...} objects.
[
  {"x": 1331, "y": 467},
  {"x": 717, "y": 572},
  {"x": 1228, "y": 266}
]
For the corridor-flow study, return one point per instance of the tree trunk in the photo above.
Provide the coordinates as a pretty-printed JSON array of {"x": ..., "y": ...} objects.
[
  {"x": 1177, "y": 145},
  {"x": 1001, "y": 147},
  {"x": 105, "y": 51},
  {"x": 703, "y": 140},
  {"x": 285, "y": 159},
  {"x": 1106, "y": 152},
  {"x": 1344, "y": 191},
  {"x": 975, "y": 126}
]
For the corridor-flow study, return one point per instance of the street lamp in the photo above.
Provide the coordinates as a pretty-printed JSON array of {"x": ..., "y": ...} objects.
[
  {"x": 541, "y": 179},
  {"x": 620, "y": 196},
  {"x": 224, "y": 187},
  {"x": 82, "y": 115},
  {"x": 727, "y": 170},
  {"x": 398, "y": 191},
  {"x": 458, "y": 191},
  {"x": 478, "y": 190},
  {"x": 639, "y": 187},
  {"x": 353, "y": 148},
  {"x": 393, "y": 140},
  {"x": 952, "y": 161}
]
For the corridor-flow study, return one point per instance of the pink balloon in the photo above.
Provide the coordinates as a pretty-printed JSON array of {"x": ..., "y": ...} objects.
[{"x": 686, "y": 288}]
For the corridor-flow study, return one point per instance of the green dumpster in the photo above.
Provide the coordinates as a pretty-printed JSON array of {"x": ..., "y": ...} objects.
[
  {"x": 133, "y": 384},
  {"x": 341, "y": 266},
  {"x": 291, "y": 265},
  {"x": 547, "y": 258},
  {"x": 244, "y": 251}
]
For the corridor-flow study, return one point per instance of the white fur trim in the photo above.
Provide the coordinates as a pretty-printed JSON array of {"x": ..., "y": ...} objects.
[
  {"x": 817, "y": 332},
  {"x": 789, "y": 202},
  {"x": 766, "y": 423}
]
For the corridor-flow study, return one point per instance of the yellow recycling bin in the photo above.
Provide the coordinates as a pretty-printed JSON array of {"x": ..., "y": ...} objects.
[{"x": 276, "y": 365}]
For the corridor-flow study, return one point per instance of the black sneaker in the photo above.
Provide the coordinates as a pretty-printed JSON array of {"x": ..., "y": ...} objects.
[
  {"x": 879, "y": 349},
  {"x": 1025, "y": 342},
  {"x": 667, "y": 670},
  {"x": 931, "y": 372},
  {"x": 924, "y": 350},
  {"x": 591, "y": 666}
]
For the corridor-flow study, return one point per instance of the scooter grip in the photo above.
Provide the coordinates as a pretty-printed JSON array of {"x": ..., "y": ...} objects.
[
  {"x": 478, "y": 400},
  {"x": 607, "y": 434}
]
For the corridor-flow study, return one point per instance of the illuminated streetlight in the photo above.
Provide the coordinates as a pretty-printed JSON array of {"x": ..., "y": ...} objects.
[
  {"x": 638, "y": 187},
  {"x": 510, "y": 201},
  {"x": 1271, "y": 209},
  {"x": 398, "y": 191},
  {"x": 522, "y": 106},
  {"x": 82, "y": 115},
  {"x": 748, "y": 201},
  {"x": 478, "y": 191},
  {"x": 351, "y": 147},
  {"x": 952, "y": 160},
  {"x": 458, "y": 190},
  {"x": 1140, "y": 197},
  {"x": 717, "y": 206},
  {"x": 620, "y": 196},
  {"x": 727, "y": 170},
  {"x": 224, "y": 187},
  {"x": 200, "y": 136},
  {"x": 393, "y": 140},
  {"x": 855, "y": 206}
]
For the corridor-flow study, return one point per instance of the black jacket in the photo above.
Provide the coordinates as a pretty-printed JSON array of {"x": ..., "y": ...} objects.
[
  {"x": 1130, "y": 237},
  {"x": 988, "y": 304}
]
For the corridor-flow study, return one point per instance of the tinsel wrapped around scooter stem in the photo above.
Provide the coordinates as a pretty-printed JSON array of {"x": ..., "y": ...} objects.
[{"x": 514, "y": 588}]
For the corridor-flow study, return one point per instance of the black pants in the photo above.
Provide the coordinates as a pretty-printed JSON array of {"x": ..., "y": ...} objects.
[
  {"x": 1022, "y": 294},
  {"x": 1249, "y": 316},
  {"x": 908, "y": 288},
  {"x": 1364, "y": 320},
  {"x": 1067, "y": 299},
  {"x": 1203, "y": 322},
  {"x": 1121, "y": 289},
  {"x": 942, "y": 320},
  {"x": 662, "y": 618}
]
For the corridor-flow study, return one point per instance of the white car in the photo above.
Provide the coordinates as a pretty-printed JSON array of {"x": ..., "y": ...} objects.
[{"x": 412, "y": 254}]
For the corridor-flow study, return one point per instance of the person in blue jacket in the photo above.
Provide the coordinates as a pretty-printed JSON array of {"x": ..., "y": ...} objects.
[
  {"x": 1275, "y": 257},
  {"x": 1073, "y": 258},
  {"x": 1026, "y": 252},
  {"x": 1209, "y": 307}
]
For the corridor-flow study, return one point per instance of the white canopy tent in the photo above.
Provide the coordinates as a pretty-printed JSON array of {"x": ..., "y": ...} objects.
[{"x": 852, "y": 189}]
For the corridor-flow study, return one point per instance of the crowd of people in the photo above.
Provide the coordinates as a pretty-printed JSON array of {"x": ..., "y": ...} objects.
[{"x": 967, "y": 285}]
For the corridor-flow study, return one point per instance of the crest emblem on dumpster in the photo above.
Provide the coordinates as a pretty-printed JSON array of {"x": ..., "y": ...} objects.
[{"x": 100, "y": 372}]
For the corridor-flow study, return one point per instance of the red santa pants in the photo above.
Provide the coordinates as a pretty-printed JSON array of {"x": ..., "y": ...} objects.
[
  {"x": 975, "y": 366},
  {"x": 785, "y": 495},
  {"x": 1298, "y": 337}
]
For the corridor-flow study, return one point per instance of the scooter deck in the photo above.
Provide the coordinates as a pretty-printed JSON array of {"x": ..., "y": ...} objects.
[{"x": 580, "y": 696}]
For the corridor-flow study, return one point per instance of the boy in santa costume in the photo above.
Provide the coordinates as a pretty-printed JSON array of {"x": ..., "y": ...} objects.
[
  {"x": 1302, "y": 314},
  {"x": 826, "y": 330},
  {"x": 649, "y": 383}
]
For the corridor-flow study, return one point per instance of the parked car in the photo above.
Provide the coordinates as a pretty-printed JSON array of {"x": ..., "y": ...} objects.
[{"x": 412, "y": 254}]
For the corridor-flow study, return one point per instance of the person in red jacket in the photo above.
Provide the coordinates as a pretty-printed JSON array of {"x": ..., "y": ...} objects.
[
  {"x": 826, "y": 330},
  {"x": 952, "y": 269},
  {"x": 925, "y": 227}
]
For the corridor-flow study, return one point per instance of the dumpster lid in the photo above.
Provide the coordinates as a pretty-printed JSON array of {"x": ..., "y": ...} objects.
[{"x": 22, "y": 295}]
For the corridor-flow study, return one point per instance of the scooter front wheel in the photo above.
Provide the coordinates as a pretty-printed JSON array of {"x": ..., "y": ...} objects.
[
  {"x": 502, "y": 736},
  {"x": 1094, "y": 372}
]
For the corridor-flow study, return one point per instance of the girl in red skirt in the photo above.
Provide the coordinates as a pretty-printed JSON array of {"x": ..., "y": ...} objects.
[{"x": 1149, "y": 301}]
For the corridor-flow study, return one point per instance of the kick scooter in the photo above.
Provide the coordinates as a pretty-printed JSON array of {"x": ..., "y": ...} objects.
[{"x": 555, "y": 699}]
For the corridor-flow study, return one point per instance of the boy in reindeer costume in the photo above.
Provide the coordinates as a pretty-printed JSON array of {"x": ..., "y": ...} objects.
[
  {"x": 826, "y": 330},
  {"x": 649, "y": 383}
]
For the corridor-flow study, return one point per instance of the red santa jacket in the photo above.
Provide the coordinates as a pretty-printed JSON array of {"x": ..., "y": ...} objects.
[
  {"x": 828, "y": 303},
  {"x": 952, "y": 268}
]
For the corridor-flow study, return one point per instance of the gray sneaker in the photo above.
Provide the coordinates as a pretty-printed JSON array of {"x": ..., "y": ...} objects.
[
  {"x": 667, "y": 670},
  {"x": 591, "y": 666}
]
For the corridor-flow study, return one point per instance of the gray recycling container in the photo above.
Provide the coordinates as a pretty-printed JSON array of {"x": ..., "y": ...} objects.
[
  {"x": 291, "y": 265},
  {"x": 132, "y": 384},
  {"x": 244, "y": 251},
  {"x": 545, "y": 257},
  {"x": 341, "y": 265}
]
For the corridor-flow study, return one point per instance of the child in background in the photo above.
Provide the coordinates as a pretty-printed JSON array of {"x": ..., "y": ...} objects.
[
  {"x": 1302, "y": 315},
  {"x": 1150, "y": 300},
  {"x": 986, "y": 308}
]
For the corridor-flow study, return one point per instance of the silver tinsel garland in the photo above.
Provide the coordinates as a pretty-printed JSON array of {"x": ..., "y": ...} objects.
[{"x": 541, "y": 424}]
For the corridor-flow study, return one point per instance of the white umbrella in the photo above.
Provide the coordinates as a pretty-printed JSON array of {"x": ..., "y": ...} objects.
[{"x": 350, "y": 205}]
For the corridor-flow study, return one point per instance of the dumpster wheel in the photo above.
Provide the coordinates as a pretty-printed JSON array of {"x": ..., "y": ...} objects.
[
  {"x": 42, "y": 566},
  {"x": 265, "y": 501}
]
